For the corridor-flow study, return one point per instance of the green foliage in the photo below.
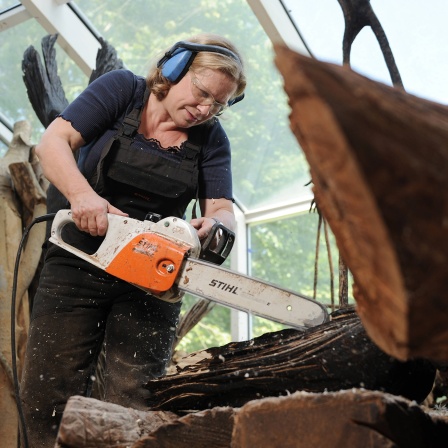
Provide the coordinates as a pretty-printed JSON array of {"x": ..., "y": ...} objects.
[
  {"x": 212, "y": 331},
  {"x": 284, "y": 253}
]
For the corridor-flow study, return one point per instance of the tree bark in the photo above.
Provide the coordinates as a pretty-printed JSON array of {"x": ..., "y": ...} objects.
[
  {"x": 324, "y": 358},
  {"x": 379, "y": 162},
  {"x": 354, "y": 418},
  {"x": 21, "y": 199}
]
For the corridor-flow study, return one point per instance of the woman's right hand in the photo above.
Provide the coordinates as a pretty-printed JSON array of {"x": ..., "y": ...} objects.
[
  {"x": 89, "y": 213},
  {"x": 55, "y": 152}
]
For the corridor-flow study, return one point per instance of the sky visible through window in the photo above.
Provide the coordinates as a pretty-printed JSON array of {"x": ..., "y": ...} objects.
[{"x": 416, "y": 31}]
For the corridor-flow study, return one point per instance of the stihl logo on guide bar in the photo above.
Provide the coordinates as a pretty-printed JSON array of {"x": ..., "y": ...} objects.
[{"x": 224, "y": 286}]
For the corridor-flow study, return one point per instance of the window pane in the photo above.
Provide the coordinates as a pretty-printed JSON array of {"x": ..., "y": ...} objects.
[
  {"x": 15, "y": 104},
  {"x": 415, "y": 33},
  {"x": 212, "y": 331},
  {"x": 6, "y": 4},
  {"x": 3, "y": 148}
]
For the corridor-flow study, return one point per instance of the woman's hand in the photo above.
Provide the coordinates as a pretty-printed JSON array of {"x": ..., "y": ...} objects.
[
  {"x": 89, "y": 213},
  {"x": 55, "y": 152},
  {"x": 213, "y": 210},
  {"x": 203, "y": 226}
]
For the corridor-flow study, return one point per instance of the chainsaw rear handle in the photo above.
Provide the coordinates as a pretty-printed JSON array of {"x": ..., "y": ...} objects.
[
  {"x": 218, "y": 253},
  {"x": 62, "y": 218},
  {"x": 119, "y": 229}
]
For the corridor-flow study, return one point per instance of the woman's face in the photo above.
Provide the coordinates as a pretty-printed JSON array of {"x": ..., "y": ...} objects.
[{"x": 198, "y": 96}]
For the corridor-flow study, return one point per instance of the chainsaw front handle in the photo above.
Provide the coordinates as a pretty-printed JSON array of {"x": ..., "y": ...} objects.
[{"x": 217, "y": 246}]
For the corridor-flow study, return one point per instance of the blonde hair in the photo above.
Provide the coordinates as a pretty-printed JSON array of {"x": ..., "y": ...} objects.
[{"x": 160, "y": 86}]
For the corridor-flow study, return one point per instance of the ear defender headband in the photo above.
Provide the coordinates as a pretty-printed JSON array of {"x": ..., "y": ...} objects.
[{"x": 178, "y": 59}]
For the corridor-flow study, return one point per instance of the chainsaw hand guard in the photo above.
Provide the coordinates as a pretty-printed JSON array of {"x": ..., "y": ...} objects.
[{"x": 217, "y": 246}]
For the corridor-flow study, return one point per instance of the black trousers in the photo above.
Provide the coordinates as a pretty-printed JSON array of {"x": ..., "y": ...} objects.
[{"x": 78, "y": 306}]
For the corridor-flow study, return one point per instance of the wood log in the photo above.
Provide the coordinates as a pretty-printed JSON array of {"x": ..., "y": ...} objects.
[
  {"x": 378, "y": 160},
  {"x": 357, "y": 15},
  {"x": 106, "y": 60},
  {"x": 333, "y": 356},
  {"x": 43, "y": 85},
  {"x": 88, "y": 422},
  {"x": 354, "y": 418}
]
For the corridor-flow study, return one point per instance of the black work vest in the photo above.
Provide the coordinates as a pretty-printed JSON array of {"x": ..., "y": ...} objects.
[{"x": 138, "y": 182}]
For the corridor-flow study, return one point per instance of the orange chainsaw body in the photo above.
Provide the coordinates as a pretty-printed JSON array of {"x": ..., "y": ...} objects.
[{"x": 149, "y": 261}]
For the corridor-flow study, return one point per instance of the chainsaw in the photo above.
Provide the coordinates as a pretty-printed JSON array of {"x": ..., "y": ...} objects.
[{"x": 165, "y": 256}]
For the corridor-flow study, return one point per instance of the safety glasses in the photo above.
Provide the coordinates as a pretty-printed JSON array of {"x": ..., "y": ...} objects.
[{"x": 204, "y": 97}]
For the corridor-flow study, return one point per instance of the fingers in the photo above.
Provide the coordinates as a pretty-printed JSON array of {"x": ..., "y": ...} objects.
[
  {"x": 91, "y": 215},
  {"x": 115, "y": 210},
  {"x": 101, "y": 225},
  {"x": 203, "y": 226},
  {"x": 92, "y": 222}
]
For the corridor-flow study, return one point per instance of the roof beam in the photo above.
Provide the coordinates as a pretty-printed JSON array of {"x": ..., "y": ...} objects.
[
  {"x": 278, "y": 211},
  {"x": 5, "y": 130},
  {"x": 56, "y": 17},
  {"x": 13, "y": 16},
  {"x": 277, "y": 24}
]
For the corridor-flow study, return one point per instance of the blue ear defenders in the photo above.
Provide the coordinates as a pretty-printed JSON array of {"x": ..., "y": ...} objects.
[{"x": 177, "y": 60}]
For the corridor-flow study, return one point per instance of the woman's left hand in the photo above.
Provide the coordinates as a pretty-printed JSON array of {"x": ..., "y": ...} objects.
[
  {"x": 203, "y": 226},
  {"x": 213, "y": 210}
]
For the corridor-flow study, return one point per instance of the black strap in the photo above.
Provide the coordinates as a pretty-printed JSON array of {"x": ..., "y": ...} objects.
[
  {"x": 192, "y": 148},
  {"x": 132, "y": 121},
  {"x": 126, "y": 135}
]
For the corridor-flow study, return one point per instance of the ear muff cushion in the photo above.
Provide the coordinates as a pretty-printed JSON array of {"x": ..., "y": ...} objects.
[
  {"x": 176, "y": 66},
  {"x": 236, "y": 100}
]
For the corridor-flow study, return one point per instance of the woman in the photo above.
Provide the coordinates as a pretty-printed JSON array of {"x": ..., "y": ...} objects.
[{"x": 146, "y": 146}]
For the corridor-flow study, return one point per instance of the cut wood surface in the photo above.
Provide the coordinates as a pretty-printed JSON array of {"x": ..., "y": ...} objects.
[
  {"x": 379, "y": 161},
  {"x": 204, "y": 429},
  {"x": 88, "y": 422},
  {"x": 333, "y": 356}
]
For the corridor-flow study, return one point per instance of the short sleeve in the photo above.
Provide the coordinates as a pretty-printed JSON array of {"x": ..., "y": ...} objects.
[{"x": 101, "y": 104}]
